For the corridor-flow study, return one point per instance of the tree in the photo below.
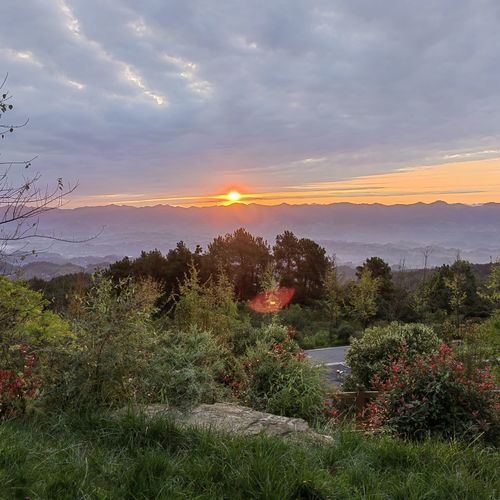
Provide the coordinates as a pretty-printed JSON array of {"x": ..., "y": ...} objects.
[
  {"x": 333, "y": 294},
  {"x": 286, "y": 254},
  {"x": 493, "y": 285},
  {"x": 453, "y": 290},
  {"x": 61, "y": 290},
  {"x": 458, "y": 295},
  {"x": 313, "y": 265},
  {"x": 242, "y": 257},
  {"x": 362, "y": 296},
  {"x": 302, "y": 264},
  {"x": 168, "y": 271},
  {"x": 382, "y": 272},
  {"x": 208, "y": 306},
  {"x": 22, "y": 197}
]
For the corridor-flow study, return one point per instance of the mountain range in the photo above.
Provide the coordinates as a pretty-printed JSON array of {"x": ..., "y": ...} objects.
[{"x": 401, "y": 234}]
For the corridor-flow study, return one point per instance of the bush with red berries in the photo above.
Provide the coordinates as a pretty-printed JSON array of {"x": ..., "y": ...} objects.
[
  {"x": 18, "y": 386},
  {"x": 432, "y": 396}
]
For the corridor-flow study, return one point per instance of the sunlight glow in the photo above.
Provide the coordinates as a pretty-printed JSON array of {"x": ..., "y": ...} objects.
[{"x": 233, "y": 196}]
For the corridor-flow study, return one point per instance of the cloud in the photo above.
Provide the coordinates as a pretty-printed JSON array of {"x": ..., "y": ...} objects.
[{"x": 165, "y": 96}]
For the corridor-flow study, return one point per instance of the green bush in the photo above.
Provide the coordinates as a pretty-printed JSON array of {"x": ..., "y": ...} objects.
[
  {"x": 433, "y": 395},
  {"x": 186, "y": 369},
  {"x": 321, "y": 338},
  {"x": 274, "y": 376},
  {"x": 29, "y": 338},
  {"x": 344, "y": 333},
  {"x": 310, "y": 325},
  {"x": 115, "y": 341},
  {"x": 481, "y": 345},
  {"x": 369, "y": 354},
  {"x": 210, "y": 306}
]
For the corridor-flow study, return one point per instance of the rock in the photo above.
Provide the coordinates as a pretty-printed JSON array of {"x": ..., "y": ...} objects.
[{"x": 237, "y": 419}]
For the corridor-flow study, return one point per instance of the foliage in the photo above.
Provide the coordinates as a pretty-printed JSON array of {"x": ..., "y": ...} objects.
[
  {"x": 241, "y": 257},
  {"x": 344, "y": 333},
  {"x": 493, "y": 285},
  {"x": 17, "y": 387},
  {"x": 321, "y": 338},
  {"x": 381, "y": 272},
  {"x": 431, "y": 395},
  {"x": 274, "y": 376},
  {"x": 306, "y": 321},
  {"x": 209, "y": 306},
  {"x": 362, "y": 296},
  {"x": 333, "y": 295},
  {"x": 30, "y": 336},
  {"x": 480, "y": 345},
  {"x": 131, "y": 458},
  {"x": 59, "y": 291},
  {"x": 369, "y": 354},
  {"x": 167, "y": 271},
  {"x": 301, "y": 264},
  {"x": 115, "y": 337},
  {"x": 186, "y": 369},
  {"x": 453, "y": 290}
]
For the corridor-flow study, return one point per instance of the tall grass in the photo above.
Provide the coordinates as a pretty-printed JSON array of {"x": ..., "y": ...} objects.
[{"x": 76, "y": 458}]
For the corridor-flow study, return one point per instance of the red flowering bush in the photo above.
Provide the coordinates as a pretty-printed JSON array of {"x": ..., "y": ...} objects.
[
  {"x": 16, "y": 387},
  {"x": 369, "y": 354},
  {"x": 432, "y": 395}
]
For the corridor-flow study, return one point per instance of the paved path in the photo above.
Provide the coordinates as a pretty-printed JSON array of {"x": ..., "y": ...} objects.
[{"x": 333, "y": 358}]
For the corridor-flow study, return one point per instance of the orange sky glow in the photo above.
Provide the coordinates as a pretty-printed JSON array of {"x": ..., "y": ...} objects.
[{"x": 471, "y": 182}]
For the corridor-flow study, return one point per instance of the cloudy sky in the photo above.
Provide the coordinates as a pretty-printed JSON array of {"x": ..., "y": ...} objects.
[{"x": 158, "y": 101}]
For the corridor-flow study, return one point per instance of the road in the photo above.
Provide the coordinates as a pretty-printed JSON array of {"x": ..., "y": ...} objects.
[{"x": 333, "y": 358}]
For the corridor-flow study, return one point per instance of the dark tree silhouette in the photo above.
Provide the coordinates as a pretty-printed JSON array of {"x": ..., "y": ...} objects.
[
  {"x": 168, "y": 271},
  {"x": 243, "y": 258},
  {"x": 301, "y": 264}
]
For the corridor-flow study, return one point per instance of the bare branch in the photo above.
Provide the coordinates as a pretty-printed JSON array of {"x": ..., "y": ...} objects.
[{"x": 23, "y": 200}]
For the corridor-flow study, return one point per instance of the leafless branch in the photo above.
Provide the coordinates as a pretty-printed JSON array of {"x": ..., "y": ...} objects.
[{"x": 23, "y": 200}]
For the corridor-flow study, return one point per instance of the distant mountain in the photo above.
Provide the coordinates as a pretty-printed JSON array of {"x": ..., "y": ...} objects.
[
  {"x": 50, "y": 265},
  {"x": 397, "y": 233}
]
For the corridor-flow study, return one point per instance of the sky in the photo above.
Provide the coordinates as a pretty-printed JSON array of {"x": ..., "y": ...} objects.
[{"x": 297, "y": 101}]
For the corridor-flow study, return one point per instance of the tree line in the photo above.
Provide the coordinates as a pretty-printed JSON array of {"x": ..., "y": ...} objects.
[{"x": 324, "y": 301}]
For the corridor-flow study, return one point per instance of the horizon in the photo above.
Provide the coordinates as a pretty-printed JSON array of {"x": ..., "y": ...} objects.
[{"x": 281, "y": 204}]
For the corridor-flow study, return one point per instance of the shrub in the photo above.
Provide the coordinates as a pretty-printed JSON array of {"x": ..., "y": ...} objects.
[
  {"x": 186, "y": 369},
  {"x": 30, "y": 337},
  {"x": 369, "y": 354},
  {"x": 16, "y": 388},
  {"x": 310, "y": 325},
  {"x": 115, "y": 338},
  {"x": 321, "y": 338},
  {"x": 274, "y": 376},
  {"x": 210, "y": 306},
  {"x": 344, "y": 332},
  {"x": 431, "y": 395},
  {"x": 481, "y": 345}
]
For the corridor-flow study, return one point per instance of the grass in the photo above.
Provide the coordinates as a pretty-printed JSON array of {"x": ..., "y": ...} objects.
[{"x": 72, "y": 458}]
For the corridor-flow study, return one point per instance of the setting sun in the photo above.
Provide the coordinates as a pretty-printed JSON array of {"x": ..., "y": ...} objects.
[{"x": 233, "y": 196}]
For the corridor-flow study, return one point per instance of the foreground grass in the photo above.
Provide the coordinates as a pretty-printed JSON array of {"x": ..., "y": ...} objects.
[{"x": 99, "y": 458}]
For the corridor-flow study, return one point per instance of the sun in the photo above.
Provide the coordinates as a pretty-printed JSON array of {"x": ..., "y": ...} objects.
[{"x": 233, "y": 196}]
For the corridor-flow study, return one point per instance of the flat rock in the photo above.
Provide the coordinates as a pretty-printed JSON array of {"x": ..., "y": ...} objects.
[{"x": 233, "y": 418}]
